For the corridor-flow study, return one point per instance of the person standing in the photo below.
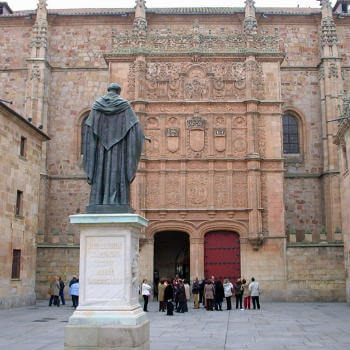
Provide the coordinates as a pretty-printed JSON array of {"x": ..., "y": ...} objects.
[
  {"x": 74, "y": 292},
  {"x": 61, "y": 294},
  {"x": 195, "y": 293},
  {"x": 146, "y": 293},
  {"x": 246, "y": 295},
  {"x": 201, "y": 292},
  {"x": 188, "y": 294},
  {"x": 181, "y": 297},
  {"x": 238, "y": 293},
  {"x": 209, "y": 295},
  {"x": 254, "y": 288},
  {"x": 73, "y": 280},
  {"x": 228, "y": 288},
  {"x": 169, "y": 297},
  {"x": 219, "y": 295},
  {"x": 161, "y": 289},
  {"x": 54, "y": 291}
]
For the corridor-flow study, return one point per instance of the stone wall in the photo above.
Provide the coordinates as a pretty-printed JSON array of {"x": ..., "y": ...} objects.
[
  {"x": 315, "y": 272},
  {"x": 18, "y": 173},
  {"x": 60, "y": 260},
  {"x": 303, "y": 202}
]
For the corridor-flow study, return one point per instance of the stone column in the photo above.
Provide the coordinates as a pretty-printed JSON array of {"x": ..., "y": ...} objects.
[
  {"x": 196, "y": 258},
  {"x": 109, "y": 316}
]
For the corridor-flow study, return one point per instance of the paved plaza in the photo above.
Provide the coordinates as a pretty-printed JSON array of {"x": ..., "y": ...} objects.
[{"x": 280, "y": 326}]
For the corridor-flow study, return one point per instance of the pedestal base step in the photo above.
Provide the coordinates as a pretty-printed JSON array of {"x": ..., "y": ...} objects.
[{"x": 91, "y": 337}]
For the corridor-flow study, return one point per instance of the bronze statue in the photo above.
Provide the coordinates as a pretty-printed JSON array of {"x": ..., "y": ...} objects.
[{"x": 113, "y": 141}]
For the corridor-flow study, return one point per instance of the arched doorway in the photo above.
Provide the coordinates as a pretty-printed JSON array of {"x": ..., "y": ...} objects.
[
  {"x": 222, "y": 258},
  {"x": 171, "y": 255}
]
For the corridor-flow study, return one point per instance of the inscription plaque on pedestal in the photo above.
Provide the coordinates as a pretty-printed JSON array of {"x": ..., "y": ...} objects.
[{"x": 104, "y": 268}]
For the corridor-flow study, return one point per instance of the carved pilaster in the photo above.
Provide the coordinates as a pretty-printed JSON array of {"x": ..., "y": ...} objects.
[
  {"x": 250, "y": 24},
  {"x": 197, "y": 257},
  {"x": 331, "y": 86},
  {"x": 140, "y": 22}
]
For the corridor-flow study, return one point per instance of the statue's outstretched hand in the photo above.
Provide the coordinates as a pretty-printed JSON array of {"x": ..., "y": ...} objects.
[{"x": 148, "y": 139}]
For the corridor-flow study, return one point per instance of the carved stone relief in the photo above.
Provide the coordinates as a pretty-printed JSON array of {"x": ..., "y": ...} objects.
[
  {"x": 152, "y": 149},
  {"x": 131, "y": 81},
  {"x": 240, "y": 189},
  {"x": 197, "y": 190},
  {"x": 173, "y": 194},
  {"x": 221, "y": 191},
  {"x": 152, "y": 191},
  {"x": 239, "y": 143},
  {"x": 176, "y": 80}
]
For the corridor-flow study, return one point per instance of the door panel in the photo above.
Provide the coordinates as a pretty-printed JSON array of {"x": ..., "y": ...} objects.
[{"x": 222, "y": 255}]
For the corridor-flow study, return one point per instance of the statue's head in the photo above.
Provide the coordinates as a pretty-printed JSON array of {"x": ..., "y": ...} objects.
[{"x": 114, "y": 87}]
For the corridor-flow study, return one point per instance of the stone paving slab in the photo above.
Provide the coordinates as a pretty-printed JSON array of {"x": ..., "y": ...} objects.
[{"x": 278, "y": 326}]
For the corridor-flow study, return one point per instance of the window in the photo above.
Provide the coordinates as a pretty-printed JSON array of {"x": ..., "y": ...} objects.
[
  {"x": 82, "y": 134},
  {"x": 19, "y": 204},
  {"x": 290, "y": 134},
  {"x": 16, "y": 264},
  {"x": 23, "y": 147}
]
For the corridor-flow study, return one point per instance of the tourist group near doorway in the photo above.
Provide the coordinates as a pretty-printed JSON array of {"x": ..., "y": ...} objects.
[{"x": 173, "y": 294}]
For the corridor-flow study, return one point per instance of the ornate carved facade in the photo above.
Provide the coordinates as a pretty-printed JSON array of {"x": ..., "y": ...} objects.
[{"x": 211, "y": 87}]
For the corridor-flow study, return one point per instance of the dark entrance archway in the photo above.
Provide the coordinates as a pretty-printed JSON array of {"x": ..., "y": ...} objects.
[
  {"x": 222, "y": 257},
  {"x": 171, "y": 255}
]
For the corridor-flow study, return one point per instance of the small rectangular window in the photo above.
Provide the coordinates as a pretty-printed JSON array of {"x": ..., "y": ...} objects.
[
  {"x": 16, "y": 264},
  {"x": 23, "y": 147},
  {"x": 19, "y": 203}
]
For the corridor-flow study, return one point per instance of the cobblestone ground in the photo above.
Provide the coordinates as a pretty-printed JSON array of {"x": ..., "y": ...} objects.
[{"x": 278, "y": 326}]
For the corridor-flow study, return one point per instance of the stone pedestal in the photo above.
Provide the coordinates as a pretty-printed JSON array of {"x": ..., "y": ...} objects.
[{"x": 109, "y": 316}]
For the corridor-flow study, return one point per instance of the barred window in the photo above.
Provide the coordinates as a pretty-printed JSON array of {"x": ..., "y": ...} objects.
[
  {"x": 290, "y": 134},
  {"x": 16, "y": 264}
]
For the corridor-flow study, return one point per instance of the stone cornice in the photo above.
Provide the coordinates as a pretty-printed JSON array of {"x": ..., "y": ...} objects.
[{"x": 9, "y": 112}]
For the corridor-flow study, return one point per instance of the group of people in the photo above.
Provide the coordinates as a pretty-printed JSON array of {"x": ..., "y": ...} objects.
[
  {"x": 175, "y": 293},
  {"x": 56, "y": 291}
]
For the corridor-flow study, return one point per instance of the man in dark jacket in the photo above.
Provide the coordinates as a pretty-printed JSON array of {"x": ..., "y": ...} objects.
[
  {"x": 181, "y": 297},
  {"x": 219, "y": 295},
  {"x": 201, "y": 291},
  {"x": 238, "y": 293},
  {"x": 168, "y": 298},
  {"x": 62, "y": 290}
]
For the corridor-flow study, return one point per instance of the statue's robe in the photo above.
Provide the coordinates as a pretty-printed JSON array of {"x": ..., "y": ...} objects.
[{"x": 112, "y": 146}]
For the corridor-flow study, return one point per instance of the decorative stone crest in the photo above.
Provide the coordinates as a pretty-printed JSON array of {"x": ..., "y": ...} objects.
[
  {"x": 220, "y": 132},
  {"x": 173, "y": 132},
  {"x": 196, "y": 127},
  {"x": 196, "y": 123},
  {"x": 173, "y": 139},
  {"x": 220, "y": 139}
]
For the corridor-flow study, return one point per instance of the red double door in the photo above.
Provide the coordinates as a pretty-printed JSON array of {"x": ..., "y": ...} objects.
[{"x": 222, "y": 255}]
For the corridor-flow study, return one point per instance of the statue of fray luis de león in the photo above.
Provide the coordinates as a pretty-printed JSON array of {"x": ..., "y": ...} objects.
[{"x": 112, "y": 145}]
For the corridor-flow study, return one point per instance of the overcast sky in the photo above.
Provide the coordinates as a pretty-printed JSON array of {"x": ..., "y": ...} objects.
[{"x": 63, "y": 4}]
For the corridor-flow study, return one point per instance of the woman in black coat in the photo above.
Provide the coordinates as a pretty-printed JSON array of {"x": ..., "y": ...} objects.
[
  {"x": 168, "y": 298},
  {"x": 219, "y": 295}
]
